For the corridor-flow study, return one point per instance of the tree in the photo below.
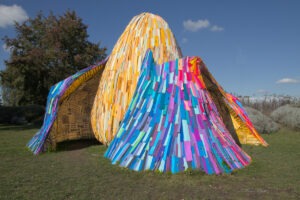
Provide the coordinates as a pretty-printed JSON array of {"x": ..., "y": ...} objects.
[{"x": 45, "y": 51}]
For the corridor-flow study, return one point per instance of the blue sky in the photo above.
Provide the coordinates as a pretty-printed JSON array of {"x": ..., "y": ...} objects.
[{"x": 251, "y": 47}]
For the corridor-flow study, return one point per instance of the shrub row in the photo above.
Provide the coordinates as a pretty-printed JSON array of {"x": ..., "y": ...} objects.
[
  {"x": 21, "y": 114},
  {"x": 262, "y": 123},
  {"x": 287, "y": 115}
]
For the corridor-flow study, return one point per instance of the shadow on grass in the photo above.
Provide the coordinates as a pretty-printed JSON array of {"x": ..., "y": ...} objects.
[
  {"x": 13, "y": 127},
  {"x": 62, "y": 146},
  {"x": 76, "y": 144}
]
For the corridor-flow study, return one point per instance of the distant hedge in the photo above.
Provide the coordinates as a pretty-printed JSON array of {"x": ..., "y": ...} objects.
[
  {"x": 288, "y": 115},
  {"x": 22, "y": 114},
  {"x": 261, "y": 122}
]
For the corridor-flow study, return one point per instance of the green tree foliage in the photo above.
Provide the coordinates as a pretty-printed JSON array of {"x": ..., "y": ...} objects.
[{"x": 45, "y": 50}]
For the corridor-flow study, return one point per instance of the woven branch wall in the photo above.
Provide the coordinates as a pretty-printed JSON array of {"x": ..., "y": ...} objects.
[
  {"x": 73, "y": 120},
  {"x": 46, "y": 137}
]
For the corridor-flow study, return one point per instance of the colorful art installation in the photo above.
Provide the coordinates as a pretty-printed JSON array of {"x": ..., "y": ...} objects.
[
  {"x": 172, "y": 123},
  {"x": 57, "y": 94},
  {"x": 154, "y": 109},
  {"x": 119, "y": 79},
  {"x": 235, "y": 113},
  {"x": 244, "y": 128}
]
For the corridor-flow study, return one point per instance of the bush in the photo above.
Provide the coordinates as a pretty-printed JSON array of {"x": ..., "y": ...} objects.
[
  {"x": 267, "y": 104},
  {"x": 288, "y": 115},
  {"x": 261, "y": 122},
  {"x": 22, "y": 114}
]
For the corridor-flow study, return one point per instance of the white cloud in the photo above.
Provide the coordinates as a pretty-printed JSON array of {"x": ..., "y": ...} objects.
[
  {"x": 216, "y": 28},
  {"x": 11, "y": 14},
  {"x": 194, "y": 26},
  {"x": 288, "y": 80}
]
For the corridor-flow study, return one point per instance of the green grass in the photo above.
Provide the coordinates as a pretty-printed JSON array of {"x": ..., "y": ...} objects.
[{"x": 85, "y": 174}]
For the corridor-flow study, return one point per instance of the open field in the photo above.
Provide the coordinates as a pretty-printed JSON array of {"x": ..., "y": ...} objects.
[{"x": 75, "y": 172}]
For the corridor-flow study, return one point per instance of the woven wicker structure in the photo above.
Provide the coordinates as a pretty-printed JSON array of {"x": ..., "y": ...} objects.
[
  {"x": 73, "y": 119},
  {"x": 68, "y": 109}
]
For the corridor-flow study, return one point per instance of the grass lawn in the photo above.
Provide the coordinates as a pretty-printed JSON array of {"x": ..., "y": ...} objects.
[{"x": 83, "y": 173}]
